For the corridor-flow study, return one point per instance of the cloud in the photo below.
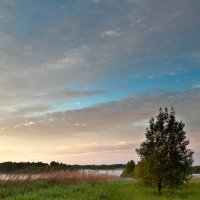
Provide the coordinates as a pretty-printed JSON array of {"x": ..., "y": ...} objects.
[
  {"x": 68, "y": 48},
  {"x": 197, "y": 86},
  {"x": 92, "y": 148},
  {"x": 73, "y": 58},
  {"x": 129, "y": 113},
  {"x": 141, "y": 123},
  {"x": 59, "y": 43},
  {"x": 111, "y": 33},
  {"x": 96, "y": 1},
  {"x": 69, "y": 93},
  {"x": 196, "y": 54},
  {"x": 27, "y": 123},
  {"x": 11, "y": 2}
]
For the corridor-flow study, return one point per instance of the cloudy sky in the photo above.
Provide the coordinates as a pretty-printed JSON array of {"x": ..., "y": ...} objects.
[{"x": 80, "y": 79}]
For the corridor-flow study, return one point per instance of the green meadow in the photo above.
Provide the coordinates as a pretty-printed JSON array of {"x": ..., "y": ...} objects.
[{"x": 93, "y": 189}]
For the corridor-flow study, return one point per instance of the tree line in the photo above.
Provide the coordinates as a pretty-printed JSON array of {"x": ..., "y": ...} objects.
[
  {"x": 37, "y": 167},
  {"x": 196, "y": 169}
]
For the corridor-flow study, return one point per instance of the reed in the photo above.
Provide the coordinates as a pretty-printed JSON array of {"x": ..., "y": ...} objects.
[{"x": 54, "y": 176}]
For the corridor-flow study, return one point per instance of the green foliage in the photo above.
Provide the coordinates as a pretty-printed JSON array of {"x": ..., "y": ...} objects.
[
  {"x": 7, "y": 167},
  {"x": 165, "y": 158},
  {"x": 109, "y": 190},
  {"x": 129, "y": 169},
  {"x": 142, "y": 171},
  {"x": 196, "y": 169},
  {"x": 37, "y": 167}
]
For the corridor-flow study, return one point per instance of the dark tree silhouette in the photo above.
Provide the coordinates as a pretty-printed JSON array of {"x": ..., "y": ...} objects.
[
  {"x": 165, "y": 158},
  {"x": 129, "y": 169}
]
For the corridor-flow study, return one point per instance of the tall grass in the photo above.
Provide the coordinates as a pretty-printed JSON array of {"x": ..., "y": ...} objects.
[
  {"x": 77, "y": 185},
  {"x": 18, "y": 184},
  {"x": 60, "y": 176}
]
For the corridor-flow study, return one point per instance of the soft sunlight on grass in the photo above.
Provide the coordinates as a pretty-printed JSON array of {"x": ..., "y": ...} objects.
[{"x": 87, "y": 186}]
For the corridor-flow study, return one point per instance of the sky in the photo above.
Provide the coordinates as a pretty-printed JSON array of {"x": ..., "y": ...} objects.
[{"x": 80, "y": 79}]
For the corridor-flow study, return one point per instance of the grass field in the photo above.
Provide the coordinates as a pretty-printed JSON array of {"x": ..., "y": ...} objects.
[{"x": 94, "y": 189}]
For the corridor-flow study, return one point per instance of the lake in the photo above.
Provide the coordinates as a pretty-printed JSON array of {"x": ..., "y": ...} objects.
[{"x": 113, "y": 172}]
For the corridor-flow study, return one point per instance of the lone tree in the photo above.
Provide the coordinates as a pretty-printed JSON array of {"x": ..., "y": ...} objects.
[{"x": 165, "y": 159}]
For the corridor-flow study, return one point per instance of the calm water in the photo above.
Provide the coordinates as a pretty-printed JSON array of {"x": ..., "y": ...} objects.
[
  {"x": 115, "y": 172},
  {"x": 196, "y": 175}
]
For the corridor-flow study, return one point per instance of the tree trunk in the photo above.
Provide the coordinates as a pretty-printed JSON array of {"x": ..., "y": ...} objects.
[{"x": 159, "y": 185}]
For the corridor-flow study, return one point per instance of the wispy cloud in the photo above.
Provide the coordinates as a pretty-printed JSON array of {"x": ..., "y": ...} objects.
[
  {"x": 111, "y": 33},
  {"x": 196, "y": 86},
  {"x": 27, "y": 123},
  {"x": 93, "y": 148}
]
